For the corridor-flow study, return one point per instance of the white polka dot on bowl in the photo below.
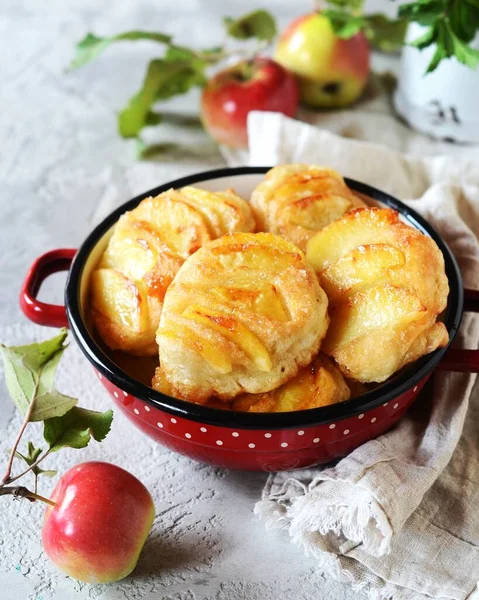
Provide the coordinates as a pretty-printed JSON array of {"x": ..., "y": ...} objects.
[
  {"x": 373, "y": 420},
  {"x": 396, "y": 405},
  {"x": 147, "y": 408},
  {"x": 173, "y": 420},
  {"x": 188, "y": 435},
  {"x": 415, "y": 389},
  {"x": 332, "y": 426},
  {"x": 235, "y": 434},
  {"x": 136, "y": 411},
  {"x": 346, "y": 431},
  {"x": 115, "y": 394},
  {"x": 203, "y": 429},
  {"x": 386, "y": 403},
  {"x": 316, "y": 440},
  {"x": 284, "y": 444},
  {"x": 300, "y": 432},
  {"x": 160, "y": 425},
  {"x": 125, "y": 394},
  {"x": 219, "y": 442},
  {"x": 267, "y": 435},
  {"x": 361, "y": 416},
  {"x": 251, "y": 445}
]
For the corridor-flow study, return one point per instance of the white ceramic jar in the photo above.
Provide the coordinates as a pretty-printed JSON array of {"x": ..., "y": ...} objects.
[{"x": 444, "y": 103}]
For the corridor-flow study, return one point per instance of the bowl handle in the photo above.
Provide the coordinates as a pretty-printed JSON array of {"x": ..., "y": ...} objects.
[
  {"x": 51, "y": 315},
  {"x": 464, "y": 361}
]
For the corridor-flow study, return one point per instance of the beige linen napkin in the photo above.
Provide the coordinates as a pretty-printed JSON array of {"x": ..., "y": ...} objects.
[{"x": 398, "y": 517}]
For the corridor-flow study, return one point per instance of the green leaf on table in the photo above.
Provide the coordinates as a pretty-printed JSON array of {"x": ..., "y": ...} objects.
[
  {"x": 76, "y": 428},
  {"x": 385, "y": 34},
  {"x": 30, "y": 369},
  {"x": 258, "y": 24},
  {"x": 32, "y": 457},
  {"x": 51, "y": 404},
  {"x": 92, "y": 46},
  {"x": 164, "y": 79},
  {"x": 179, "y": 53},
  {"x": 345, "y": 25}
]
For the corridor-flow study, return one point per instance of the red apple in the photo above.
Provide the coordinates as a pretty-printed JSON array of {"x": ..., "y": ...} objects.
[
  {"x": 332, "y": 72},
  {"x": 100, "y": 521},
  {"x": 259, "y": 84}
]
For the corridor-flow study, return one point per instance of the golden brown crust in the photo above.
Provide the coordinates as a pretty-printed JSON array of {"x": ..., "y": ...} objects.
[
  {"x": 148, "y": 246},
  {"x": 295, "y": 201},
  {"x": 387, "y": 285},
  {"x": 243, "y": 314},
  {"x": 318, "y": 384}
]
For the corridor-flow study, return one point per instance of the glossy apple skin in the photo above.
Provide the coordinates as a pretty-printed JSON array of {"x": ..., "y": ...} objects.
[
  {"x": 260, "y": 84},
  {"x": 101, "y": 519},
  {"x": 331, "y": 72}
]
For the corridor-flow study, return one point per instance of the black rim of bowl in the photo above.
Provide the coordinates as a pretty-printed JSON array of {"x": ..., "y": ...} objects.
[{"x": 397, "y": 385}]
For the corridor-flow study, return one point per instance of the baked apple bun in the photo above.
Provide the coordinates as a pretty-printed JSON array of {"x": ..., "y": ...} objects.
[
  {"x": 296, "y": 201},
  {"x": 243, "y": 314},
  {"x": 386, "y": 284},
  {"x": 148, "y": 246},
  {"x": 319, "y": 384}
]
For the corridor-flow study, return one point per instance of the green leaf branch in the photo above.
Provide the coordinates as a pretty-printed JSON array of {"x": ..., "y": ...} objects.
[
  {"x": 29, "y": 376},
  {"x": 451, "y": 26},
  {"x": 179, "y": 69}
]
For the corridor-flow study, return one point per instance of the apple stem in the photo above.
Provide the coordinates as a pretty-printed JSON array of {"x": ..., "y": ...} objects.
[
  {"x": 30, "y": 468},
  {"x": 19, "y": 491},
  {"x": 6, "y": 478}
]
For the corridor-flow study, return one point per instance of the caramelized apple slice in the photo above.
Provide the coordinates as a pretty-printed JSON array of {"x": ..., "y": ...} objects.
[
  {"x": 205, "y": 348},
  {"x": 318, "y": 384},
  {"x": 179, "y": 225},
  {"x": 365, "y": 265},
  {"x": 374, "y": 308},
  {"x": 359, "y": 227},
  {"x": 232, "y": 329},
  {"x": 119, "y": 299},
  {"x": 376, "y": 355},
  {"x": 266, "y": 302}
]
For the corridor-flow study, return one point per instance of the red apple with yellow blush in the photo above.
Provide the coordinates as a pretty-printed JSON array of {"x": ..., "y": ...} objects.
[
  {"x": 99, "y": 523},
  {"x": 259, "y": 84},
  {"x": 332, "y": 72}
]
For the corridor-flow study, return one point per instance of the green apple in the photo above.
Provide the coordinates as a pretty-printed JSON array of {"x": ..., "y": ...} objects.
[{"x": 332, "y": 72}]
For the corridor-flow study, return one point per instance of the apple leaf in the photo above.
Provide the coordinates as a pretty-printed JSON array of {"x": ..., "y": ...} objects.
[
  {"x": 424, "y": 12},
  {"x": 385, "y": 34},
  {"x": 354, "y": 5},
  {"x": 30, "y": 370},
  {"x": 51, "y": 404},
  {"x": 91, "y": 46},
  {"x": 345, "y": 25},
  {"x": 164, "y": 79},
  {"x": 75, "y": 428},
  {"x": 426, "y": 39},
  {"x": 32, "y": 457},
  {"x": 258, "y": 24}
]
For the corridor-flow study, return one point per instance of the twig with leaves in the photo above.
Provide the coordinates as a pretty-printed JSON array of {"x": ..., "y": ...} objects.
[
  {"x": 179, "y": 69},
  {"x": 29, "y": 375}
]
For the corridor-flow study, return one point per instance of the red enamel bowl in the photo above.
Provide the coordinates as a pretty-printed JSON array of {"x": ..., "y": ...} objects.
[{"x": 269, "y": 442}]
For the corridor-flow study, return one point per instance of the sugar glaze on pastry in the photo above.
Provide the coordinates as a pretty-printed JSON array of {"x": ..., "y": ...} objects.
[
  {"x": 295, "y": 201},
  {"x": 243, "y": 314},
  {"x": 148, "y": 246}
]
